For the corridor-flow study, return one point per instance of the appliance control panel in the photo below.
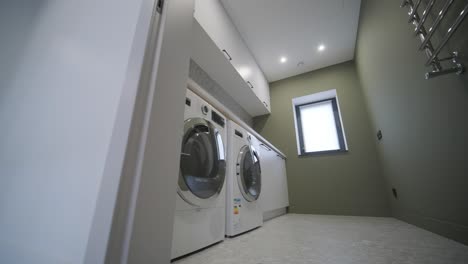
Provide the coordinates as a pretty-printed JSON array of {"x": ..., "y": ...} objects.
[
  {"x": 205, "y": 109},
  {"x": 217, "y": 118},
  {"x": 238, "y": 133}
]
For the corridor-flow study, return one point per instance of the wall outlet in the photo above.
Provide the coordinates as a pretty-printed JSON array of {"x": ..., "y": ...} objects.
[
  {"x": 379, "y": 135},
  {"x": 395, "y": 193}
]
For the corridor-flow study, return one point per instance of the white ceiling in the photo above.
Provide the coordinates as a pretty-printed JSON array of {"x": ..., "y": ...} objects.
[{"x": 294, "y": 29}]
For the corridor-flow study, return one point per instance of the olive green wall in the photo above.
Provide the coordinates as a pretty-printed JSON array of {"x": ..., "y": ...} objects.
[
  {"x": 345, "y": 184},
  {"x": 424, "y": 151}
]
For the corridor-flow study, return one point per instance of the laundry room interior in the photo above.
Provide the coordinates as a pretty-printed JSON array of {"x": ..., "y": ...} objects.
[{"x": 234, "y": 131}]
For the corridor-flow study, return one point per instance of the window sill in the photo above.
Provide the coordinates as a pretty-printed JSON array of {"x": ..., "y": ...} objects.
[{"x": 323, "y": 153}]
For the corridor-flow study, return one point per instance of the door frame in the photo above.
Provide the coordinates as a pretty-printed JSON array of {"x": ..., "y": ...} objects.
[{"x": 134, "y": 212}]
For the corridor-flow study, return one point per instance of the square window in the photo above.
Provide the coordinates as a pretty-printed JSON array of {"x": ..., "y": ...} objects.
[{"x": 318, "y": 124}]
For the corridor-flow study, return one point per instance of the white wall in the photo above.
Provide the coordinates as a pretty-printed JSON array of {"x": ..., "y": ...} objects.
[{"x": 62, "y": 67}]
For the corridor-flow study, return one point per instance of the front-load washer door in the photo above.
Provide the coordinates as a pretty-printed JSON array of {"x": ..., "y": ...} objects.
[
  {"x": 202, "y": 163},
  {"x": 249, "y": 173}
]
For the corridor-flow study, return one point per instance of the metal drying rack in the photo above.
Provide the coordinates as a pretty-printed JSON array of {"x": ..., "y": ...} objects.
[{"x": 425, "y": 35}]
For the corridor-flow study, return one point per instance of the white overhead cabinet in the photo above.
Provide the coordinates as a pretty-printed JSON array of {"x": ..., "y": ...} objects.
[
  {"x": 274, "y": 194},
  {"x": 214, "y": 20}
]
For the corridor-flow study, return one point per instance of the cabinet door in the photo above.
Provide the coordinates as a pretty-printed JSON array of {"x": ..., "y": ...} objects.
[
  {"x": 267, "y": 183},
  {"x": 216, "y": 22},
  {"x": 262, "y": 88},
  {"x": 255, "y": 78},
  {"x": 211, "y": 15},
  {"x": 283, "y": 197},
  {"x": 266, "y": 93},
  {"x": 274, "y": 180}
]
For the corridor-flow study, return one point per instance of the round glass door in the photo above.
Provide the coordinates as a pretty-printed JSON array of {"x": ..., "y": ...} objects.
[
  {"x": 202, "y": 163},
  {"x": 249, "y": 173}
]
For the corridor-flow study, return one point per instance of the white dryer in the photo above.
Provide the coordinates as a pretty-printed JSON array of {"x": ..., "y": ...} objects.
[
  {"x": 244, "y": 182},
  {"x": 200, "y": 205}
]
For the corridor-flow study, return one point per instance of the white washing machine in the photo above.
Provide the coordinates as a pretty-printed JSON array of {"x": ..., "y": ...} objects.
[
  {"x": 201, "y": 199},
  {"x": 244, "y": 182}
]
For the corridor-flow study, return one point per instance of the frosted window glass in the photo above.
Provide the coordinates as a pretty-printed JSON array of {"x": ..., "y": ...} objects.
[{"x": 318, "y": 127}]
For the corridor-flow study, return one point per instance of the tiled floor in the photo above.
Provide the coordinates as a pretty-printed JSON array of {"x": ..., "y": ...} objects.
[{"x": 295, "y": 238}]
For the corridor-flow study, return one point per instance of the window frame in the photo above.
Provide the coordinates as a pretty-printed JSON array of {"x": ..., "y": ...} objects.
[{"x": 314, "y": 99}]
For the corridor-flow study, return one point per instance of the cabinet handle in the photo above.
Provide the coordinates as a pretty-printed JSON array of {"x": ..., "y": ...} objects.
[
  {"x": 250, "y": 84},
  {"x": 266, "y": 105},
  {"x": 279, "y": 156},
  {"x": 265, "y": 147},
  {"x": 229, "y": 56},
  {"x": 159, "y": 6}
]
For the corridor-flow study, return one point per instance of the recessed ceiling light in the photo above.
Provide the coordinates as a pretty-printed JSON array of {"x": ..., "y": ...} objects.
[
  {"x": 283, "y": 59},
  {"x": 321, "y": 47}
]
